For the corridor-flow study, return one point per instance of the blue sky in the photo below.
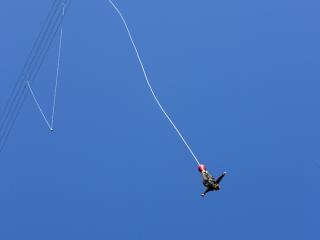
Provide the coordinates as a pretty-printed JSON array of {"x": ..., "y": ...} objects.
[{"x": 240, "y": 79}]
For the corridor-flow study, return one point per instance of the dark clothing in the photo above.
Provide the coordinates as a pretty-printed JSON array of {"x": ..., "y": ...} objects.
[
  {"x": 210, "y": 183},
  {"x": 207, "y": 179}
]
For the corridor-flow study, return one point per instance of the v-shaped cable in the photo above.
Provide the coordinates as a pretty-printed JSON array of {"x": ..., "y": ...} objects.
[{"x": 51, "y": 123}]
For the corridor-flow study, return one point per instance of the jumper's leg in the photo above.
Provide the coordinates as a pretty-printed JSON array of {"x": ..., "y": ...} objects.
[
  {"x": 205, "y": 192},
  {"x": 220, "y": 178}
]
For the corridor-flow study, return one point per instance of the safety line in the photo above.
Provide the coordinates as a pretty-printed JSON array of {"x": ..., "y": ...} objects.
[
  {"x": 39, "y": 107},
  {"x": 19, "y": 98},
  {"x": 50, "y": 125},
  {"x": 57, "y": 73},
  {"x": 148, "y": 82},
  {"x": 28, "y": 72},
  {"x": 20, "y": 92},
  {"x": 25, "y": 67}
]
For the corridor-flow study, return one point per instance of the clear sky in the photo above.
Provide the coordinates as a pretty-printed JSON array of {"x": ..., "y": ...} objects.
[{"x": 240, "y": 79}]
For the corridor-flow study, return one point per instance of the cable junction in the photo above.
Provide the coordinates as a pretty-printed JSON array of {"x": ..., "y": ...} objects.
[{"x": 149, "y": 84}]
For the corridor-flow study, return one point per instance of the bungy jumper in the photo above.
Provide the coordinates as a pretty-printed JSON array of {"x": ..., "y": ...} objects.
[{"x": 209, "y": 181}]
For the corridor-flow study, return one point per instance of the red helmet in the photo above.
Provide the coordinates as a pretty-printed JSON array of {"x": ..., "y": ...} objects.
[{"x": 202, "y": 168}]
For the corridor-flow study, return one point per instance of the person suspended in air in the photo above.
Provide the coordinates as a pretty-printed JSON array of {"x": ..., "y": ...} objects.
[{"x": 209, "y": 181}]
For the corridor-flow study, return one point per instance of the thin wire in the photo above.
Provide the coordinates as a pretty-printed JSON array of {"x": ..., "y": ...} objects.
[
  {"x": 39, "y": 107},
  {"x": 57, "y": 74},
  {"x": 15, "y": 110},
  {"x": 56, "y": 83},
  {"x": 25, "y": 67},
  {"x": 149, "y": 85},
  {"x": 26, "y": 74}
]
